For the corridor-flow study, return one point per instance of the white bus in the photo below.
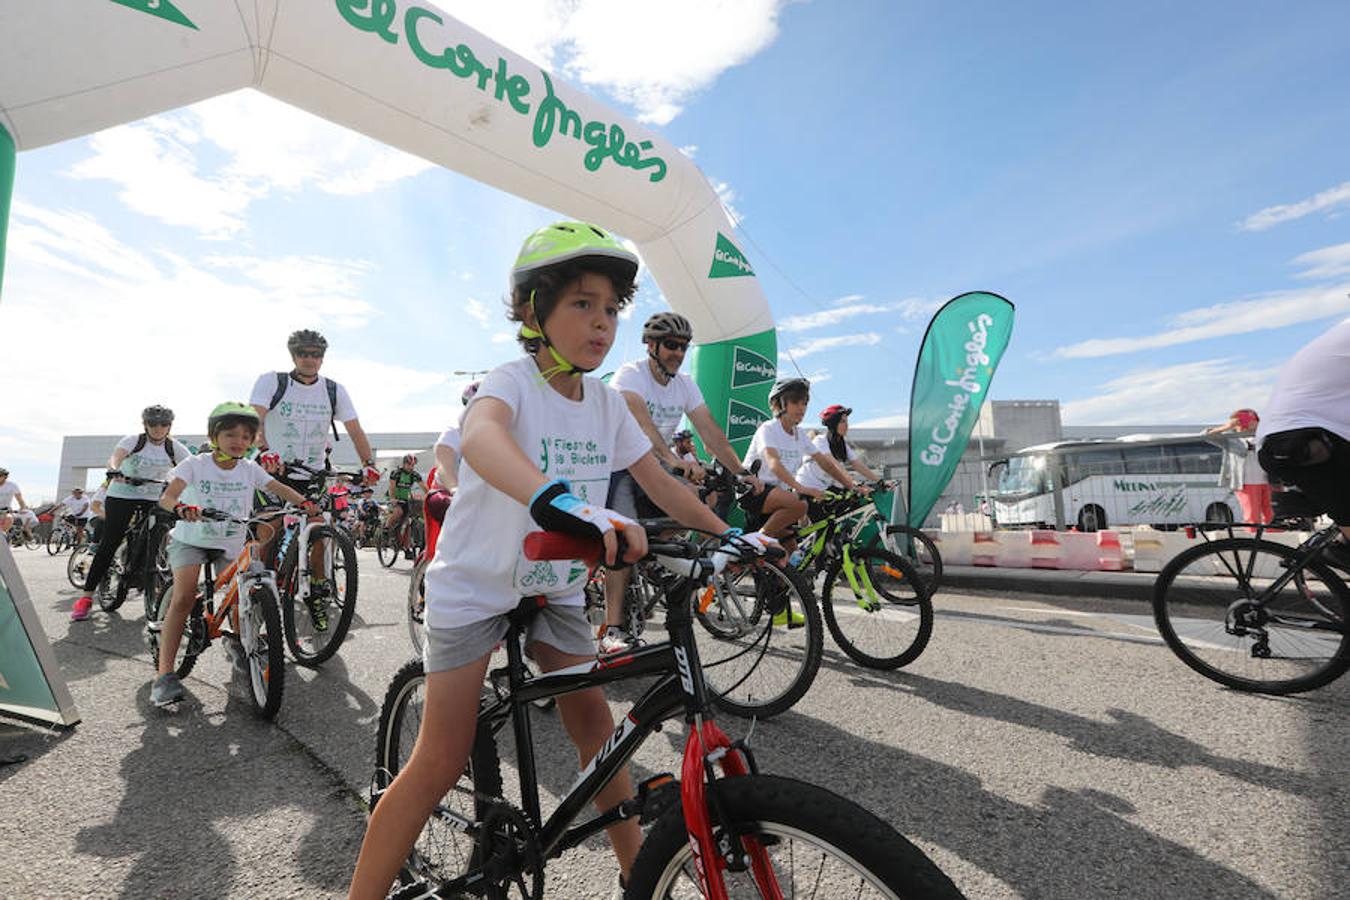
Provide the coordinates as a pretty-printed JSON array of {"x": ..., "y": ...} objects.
[{"x": 1161, "y": 480}]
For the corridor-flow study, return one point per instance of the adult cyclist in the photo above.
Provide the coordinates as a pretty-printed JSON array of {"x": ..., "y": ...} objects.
[
  {"x": 659, "y": 395},
  {"x": 1304, "y": 435},
  {"x": 402, "y": 481},
  {"x": 9, "y": 492},
  {"x": 149, "y": 456},
  {"x": 74, "y": 509}
]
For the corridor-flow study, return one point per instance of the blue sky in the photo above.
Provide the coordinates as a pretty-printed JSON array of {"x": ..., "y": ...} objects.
[{"x": 1161, "y": 190}]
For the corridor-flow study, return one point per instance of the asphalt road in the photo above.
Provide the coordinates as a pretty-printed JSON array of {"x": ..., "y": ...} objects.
[{"x": 1042, "y": 746}]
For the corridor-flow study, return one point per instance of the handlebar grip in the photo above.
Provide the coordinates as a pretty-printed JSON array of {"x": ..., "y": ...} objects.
[{"x": 556, "y": 545}]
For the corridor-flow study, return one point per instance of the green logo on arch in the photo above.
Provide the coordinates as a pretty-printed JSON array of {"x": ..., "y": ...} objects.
[
  {"x": 728, "y": 260},
  {"x": 164, "y": 9},
  {"x": 743, "y": 420},
  {"x": 749, "y": 368}
]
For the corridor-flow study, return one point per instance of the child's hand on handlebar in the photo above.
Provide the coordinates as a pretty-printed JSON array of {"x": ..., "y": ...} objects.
[{"x": 188, "y": 513}]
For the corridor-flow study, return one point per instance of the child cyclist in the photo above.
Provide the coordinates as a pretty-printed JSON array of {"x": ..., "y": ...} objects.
[
  {"x": 539, "y": 445},
  {"x": 221, "y": 479}
]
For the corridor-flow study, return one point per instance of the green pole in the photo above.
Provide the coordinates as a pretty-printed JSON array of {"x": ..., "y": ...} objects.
[{"x": 7, "y": 157}]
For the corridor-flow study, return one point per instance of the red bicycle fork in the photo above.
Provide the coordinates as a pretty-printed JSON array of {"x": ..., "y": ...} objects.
[{"x": 708, "y": 744}]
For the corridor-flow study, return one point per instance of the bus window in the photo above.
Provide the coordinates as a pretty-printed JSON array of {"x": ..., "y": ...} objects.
[
  {"x": 1149, "y": 460},
  {"x": 1023, "y": 475},
  {"x": 1081, "y": 464},
  {"x": 1199, "y": 458}
]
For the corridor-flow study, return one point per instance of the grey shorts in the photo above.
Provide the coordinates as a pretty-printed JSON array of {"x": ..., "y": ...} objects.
[
  {"x": 181, "y": 554},
  {"x": 562, "y": 627}
]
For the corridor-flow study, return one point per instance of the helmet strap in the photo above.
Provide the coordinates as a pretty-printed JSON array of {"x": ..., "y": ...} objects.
[
  {"x": 220, "y": 455},
  {"x": 295, "y": 373},
  {"x": 656, "y": 361},
  {"x": 562, "y": 365}
]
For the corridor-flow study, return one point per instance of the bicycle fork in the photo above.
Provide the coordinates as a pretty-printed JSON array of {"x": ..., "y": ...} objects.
[
  {"x": 246, "y": 582},
  {"x": 708, "y": 744}
]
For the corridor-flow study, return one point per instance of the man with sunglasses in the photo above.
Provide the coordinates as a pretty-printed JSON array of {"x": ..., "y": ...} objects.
[
  {"x": 298, "y": 410},
  {"x": 659, "y": 395}
]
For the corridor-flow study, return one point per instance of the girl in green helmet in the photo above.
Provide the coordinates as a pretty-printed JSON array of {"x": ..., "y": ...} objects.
[{"x": 539, "y": 443}]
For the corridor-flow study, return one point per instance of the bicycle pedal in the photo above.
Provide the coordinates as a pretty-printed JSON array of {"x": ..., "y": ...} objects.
[{"x": 656, "y": 795}]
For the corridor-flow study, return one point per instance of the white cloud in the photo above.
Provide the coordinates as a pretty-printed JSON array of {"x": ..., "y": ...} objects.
[
  {"x": 268, "y": 146},
  {"x": 653, "y": 57},
  {"x": 828, "y": 317},
  {"x": 1328, "y": 262},
  {"x": 1273, "y": 310},
  {"x": 1329, "y": 200},
  {"x": 199, "y": 333},
  {"x": 726, "y": 194},
  {"x": 847, "y": 300},
  {"x": 1203, "y": 391},
  {"x": 503, "y": 337},
  {"x": 478, "y": 310},
  {"x": 820, "y": 345}
]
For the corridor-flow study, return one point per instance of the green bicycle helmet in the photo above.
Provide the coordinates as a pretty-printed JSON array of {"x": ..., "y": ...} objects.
[
  {"x": 228, "y": 415},
  {"x": 567, "y": 241}
]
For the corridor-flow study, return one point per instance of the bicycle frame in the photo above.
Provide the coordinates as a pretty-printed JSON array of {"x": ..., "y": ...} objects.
[
  {"x": 1304, "y": 553},
  {"x": 236, "y": 581},
  {"x": 681, "y": 688}
]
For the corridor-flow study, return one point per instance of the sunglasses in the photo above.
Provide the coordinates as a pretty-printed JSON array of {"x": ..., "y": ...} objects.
[
  {"x": 157, "y": 423},
  {"x": 309, "y": 354},
  {"x": 674, "y": 346}
]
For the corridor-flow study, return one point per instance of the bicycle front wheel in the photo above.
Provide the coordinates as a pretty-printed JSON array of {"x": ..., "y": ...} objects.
[
  {"x": 56, "y": 541},
  {"x": 1234, "y": 611},
  {"x": 386, "y": 547},
  {"x": 417, "y": 604},
  {"x": 761, "y": 639},
  {"x": 112, "y": 591},
  {"x": 818, "y": 845},
  {"x": 917, "y": 549},
  {"x": 261, "y": 636},
  {"x": 316, "y": 627},
  {"x": 878, "y": 612},
  {"x": 442, "y": 851}
]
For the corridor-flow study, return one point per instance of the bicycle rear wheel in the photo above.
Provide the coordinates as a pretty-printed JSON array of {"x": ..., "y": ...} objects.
[
  {"x": 316, "y": 628},
  {"x": 56, "y": 541},
  {"x": 1221, "y": 609},
  {"x": 919, "y": 550},
  {"x": 77, "y": 566},
  {"x": 818, "y": 843},
  {"x": 112, "y": 591},
  {"x": 193, "y": 641},
  {"x": 756, "y": 663},
  {"x": 260, "y": 633},
  {"x": 441, "y": 851},
  {"x": 883, "y": 618}
]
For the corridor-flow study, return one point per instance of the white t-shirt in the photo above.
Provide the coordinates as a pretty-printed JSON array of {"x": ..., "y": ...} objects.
[
  {"x": 298, "y": 427},
  {"x": 151, "y": 461},
  {"x": 811, "y": 475},
  {"x": 230, "y": 491},
  {"x": 480, "y": 570},
  {"x": 792, "y": 448},
  {"x": 75, "y": 506},
  {"x": 450, "y": 438},
  {"x": 666, "y": 403},
  {"x": 1311, "y": 389},
  {"x": 8, "y": 491},
  {"x": 99, "y": 496}
]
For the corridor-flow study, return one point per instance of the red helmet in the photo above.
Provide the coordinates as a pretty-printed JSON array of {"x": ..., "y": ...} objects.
[{"x": 833, "y": 413}]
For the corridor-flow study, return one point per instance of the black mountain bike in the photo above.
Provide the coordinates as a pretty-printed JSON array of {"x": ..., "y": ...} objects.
[
  {"x": 142, "y": 559},
  {"x": 740, "y": 833},
  {"x": 317, "y": 604},
  {"x": 1254, "y": 614}
]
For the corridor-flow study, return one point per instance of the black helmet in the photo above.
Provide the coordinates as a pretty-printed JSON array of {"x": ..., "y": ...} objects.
[
  {"x": 3, "y": 472},
  {"x": 157, "y": 415},
  {"x": 786, "y": 385},
  {"x": 667, "y": 324},
  {"x": 305, "y": 338}
]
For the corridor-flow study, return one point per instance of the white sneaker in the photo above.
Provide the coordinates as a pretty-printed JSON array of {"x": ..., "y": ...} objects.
[{"x": 616, "y": 639}]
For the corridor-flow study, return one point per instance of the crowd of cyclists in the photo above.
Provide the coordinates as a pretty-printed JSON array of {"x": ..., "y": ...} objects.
[{"x": 509, "y": 466}]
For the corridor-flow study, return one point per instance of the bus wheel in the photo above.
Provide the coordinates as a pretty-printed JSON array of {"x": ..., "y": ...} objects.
[
  {"x": 1091, "y": 518},
  {"x": 1218, "y": 512}
]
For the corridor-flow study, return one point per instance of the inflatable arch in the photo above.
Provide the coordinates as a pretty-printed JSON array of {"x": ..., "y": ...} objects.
[{"x": 405, "y": 73}]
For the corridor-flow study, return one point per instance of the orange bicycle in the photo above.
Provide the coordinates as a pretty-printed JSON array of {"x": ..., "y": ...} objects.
[{"x": 248, "y": 617}]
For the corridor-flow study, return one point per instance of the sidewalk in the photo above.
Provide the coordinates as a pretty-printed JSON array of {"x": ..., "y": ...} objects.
[{"x": 1062, "y": 582}]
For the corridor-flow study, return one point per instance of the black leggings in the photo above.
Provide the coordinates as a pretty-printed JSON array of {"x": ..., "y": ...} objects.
[{"x": 117, "y": 513}]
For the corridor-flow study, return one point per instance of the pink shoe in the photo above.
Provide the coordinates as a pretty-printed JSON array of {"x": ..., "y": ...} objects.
[{"x": 80, "y": 612}]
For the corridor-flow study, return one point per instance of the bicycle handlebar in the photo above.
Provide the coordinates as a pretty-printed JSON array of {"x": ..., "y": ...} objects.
[{"x": 134, "y": 482}]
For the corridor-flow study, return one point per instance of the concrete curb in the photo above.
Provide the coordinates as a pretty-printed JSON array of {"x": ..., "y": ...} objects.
[{"x": 1136, "y": 586}]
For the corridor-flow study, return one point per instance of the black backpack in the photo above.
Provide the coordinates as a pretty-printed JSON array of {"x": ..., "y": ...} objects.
[
  {"x": 141, "y": 442},
  {"x": 328, "y": 383}
]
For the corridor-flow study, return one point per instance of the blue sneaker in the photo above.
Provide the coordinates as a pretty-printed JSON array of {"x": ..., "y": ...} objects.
[{"x": 166, "y": 690}]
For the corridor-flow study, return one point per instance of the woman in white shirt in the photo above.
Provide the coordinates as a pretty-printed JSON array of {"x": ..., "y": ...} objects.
[{"x": 835, "y": 420}]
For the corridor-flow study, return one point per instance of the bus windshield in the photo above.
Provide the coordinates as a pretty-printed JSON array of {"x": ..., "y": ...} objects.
[{"x": 1024, "y": 476}]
